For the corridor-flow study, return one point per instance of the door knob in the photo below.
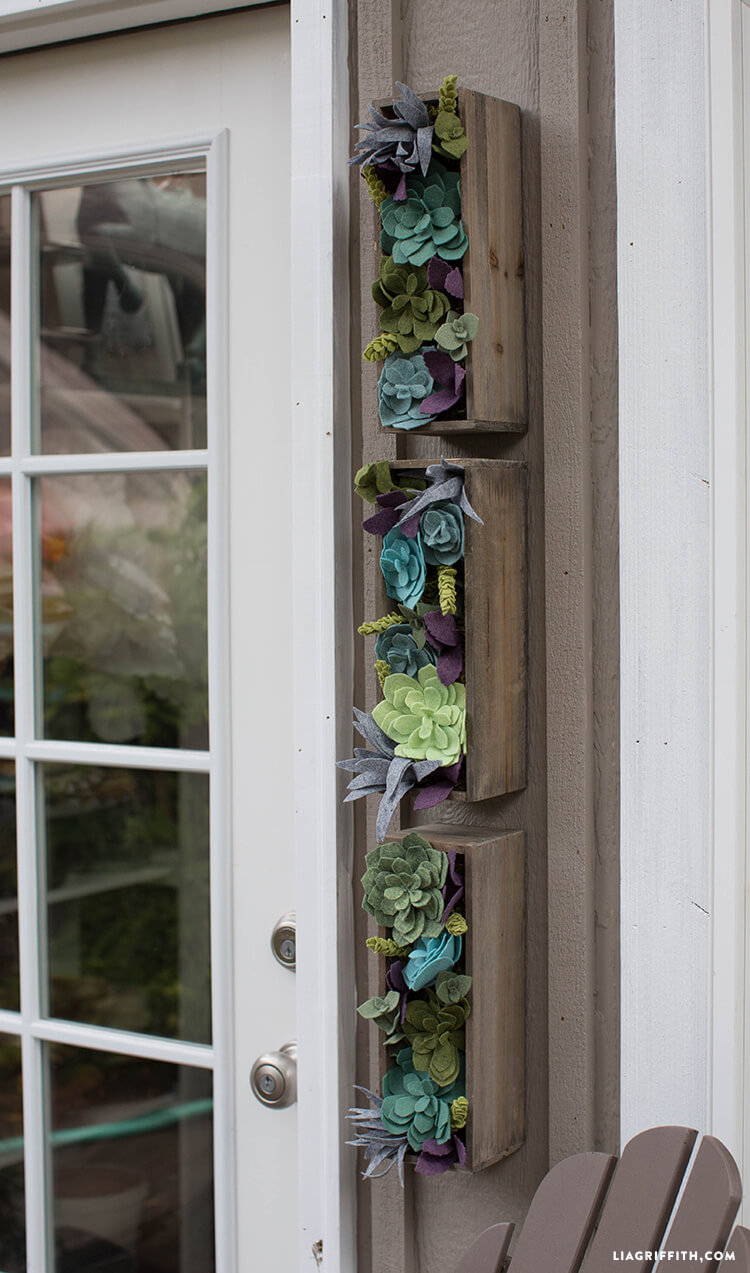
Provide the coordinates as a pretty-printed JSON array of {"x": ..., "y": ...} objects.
[{"x": 273, "y": 1077}]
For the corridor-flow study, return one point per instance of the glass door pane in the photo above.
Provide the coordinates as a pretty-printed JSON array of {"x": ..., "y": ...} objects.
[
  {"x": 123, "y": 315},
  {"x": 12, "y": 1222}
]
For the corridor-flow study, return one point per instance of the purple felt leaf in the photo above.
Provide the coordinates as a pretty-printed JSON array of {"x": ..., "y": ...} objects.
[
  {"x": 453, "y": 890},
  {"x": 435, "y": 1159},
  {"x": 450, "y": 665},
  {"x": 381, "y": 522},
  {"x": 433, "y": 794},
  {"x": 394, "y": 976},
  {"x": 389, "y": 174},
  {"x": 441, "y": 366},
  {"x": 443, "y": 277},
  {"x": 442, "y": 628},
  {"x": 391, "y": 499},
  {"x": 450, "y": 376},
  {"x": 411, "y": 526},
  {"x": 454, "y": 283},
  {"x": 399, "y": 193},
  {"x": 441, "y": 400}
]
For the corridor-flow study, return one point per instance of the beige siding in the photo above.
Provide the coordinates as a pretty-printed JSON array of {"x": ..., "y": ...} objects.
[{"x": 556, "y": 63}]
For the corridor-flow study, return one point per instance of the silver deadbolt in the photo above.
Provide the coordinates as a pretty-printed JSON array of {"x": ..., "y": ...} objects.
[
  {"x": 273, "y": 1077},
  {"x": 284, "y": 940}
]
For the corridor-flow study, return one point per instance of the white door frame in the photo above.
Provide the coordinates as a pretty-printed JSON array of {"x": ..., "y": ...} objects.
[
  {"x": 322, "y": 553},
  {"x": 727, "y": 143}
]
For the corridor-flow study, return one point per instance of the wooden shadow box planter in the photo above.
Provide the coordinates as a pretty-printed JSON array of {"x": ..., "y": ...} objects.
[
  {"x": 494, "y": 957},
  {"x": 495, "y": 625},
  {"x": 493, "y": 269}
]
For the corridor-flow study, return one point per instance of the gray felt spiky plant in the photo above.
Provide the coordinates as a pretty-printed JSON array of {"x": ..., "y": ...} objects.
[{"x": 405, "y": 141}]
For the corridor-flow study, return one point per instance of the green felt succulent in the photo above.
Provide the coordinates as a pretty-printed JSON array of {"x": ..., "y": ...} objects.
[
  {"x": 437, "y": 1036},
  {"x": 449, "y": 138},
  {"x": 414, "y": 1105},
  {"x": 455, "y": 334},
  {"x": 427, "y": 222},
  {"x": 403, "y": 887},
  {"x": 411, "y": 310},
  {"x": 385, "y": 1012},
  {"x": 375, "y": 479},
  {"x": 426, "y": 719},
  {"x": 451, "y": 987}
]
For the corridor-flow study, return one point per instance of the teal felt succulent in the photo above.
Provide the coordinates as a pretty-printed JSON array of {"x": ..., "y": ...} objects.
[
  {"x": 412, "y": 311},
  {"x": 402, "y": 888},
  {"x": 437, "y": 1036},
  {"x": 426, "y": 719},
  {"x": 403, "y": 566},
  {"x": 414, "y": 1105},
  {"x": 431, "y": 958},
  {"x": 441, "y": 528},
  {"x": 399, "y": 646},
  {"x": 427, "y": 222},
  {"x": 385, "y": 1012},
  {"x": 403, "y": 385},
  {"x": 455, "y": 334}
]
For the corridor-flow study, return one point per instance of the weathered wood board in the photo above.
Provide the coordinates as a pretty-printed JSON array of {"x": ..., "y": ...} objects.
[
  {"x": 495, "y": 623},
  {"x": 495, "y": 909}
]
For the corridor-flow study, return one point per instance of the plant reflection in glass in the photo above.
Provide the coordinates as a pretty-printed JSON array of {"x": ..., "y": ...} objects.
[{"x": 123, "y": 585}]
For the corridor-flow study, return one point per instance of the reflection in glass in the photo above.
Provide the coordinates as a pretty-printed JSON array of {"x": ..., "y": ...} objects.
[
  {"x": 12, "y": 1224},
  {"x": 123, "y": 602},
  {"x": 132, "y": 1164},
  {"x": 123, "y": 315},
  {"x": 9, "y": 985},
  {"x": 5, "y": 324},
  {"x": 128, "y": 899}
]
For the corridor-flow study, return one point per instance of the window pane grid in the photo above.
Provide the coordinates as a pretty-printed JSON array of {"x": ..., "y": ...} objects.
[{"x": 36, "y": 1031}]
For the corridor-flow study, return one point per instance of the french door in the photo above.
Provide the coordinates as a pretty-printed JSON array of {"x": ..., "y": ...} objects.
[{"x": 145, "y": 651}]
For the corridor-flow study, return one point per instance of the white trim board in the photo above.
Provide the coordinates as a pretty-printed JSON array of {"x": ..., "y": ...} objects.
[
  {"x": 27, "y": 24},
  {"x": 665, "y": 562}
]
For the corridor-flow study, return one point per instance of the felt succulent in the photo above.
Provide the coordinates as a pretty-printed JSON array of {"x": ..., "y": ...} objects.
[
  {"x": 377, "y": 769},
  {"x": 414, "y": 1105},
  {"x": 385, "y": 1011},
  {"x": 446, "y": 483},
  {"x": 402, "y": 651},
  {"x": 452, "y": 987},
  {"x": 449, "y": 138},
  {"x": 375, "y": 479},
  {"x": 445, "y": 638},
  {"x": 427, "y": 222},
  {"x": 431, "y": 958},
  {"x": 405, "y": 141},
  {"x": 459, "y": 1112},
  {"x": 381, "y": 1147},
  {"x": 436, "y": 1158},
  {"x": 426, "y": 719},
  {"x": 411, "y": 311},
  {"x": 436, "y": 1033},
  {"x": 402, "y": 888},
  {"x": 403, "y": 385},
  {"x": 455, "y": 333},
  {"x": 441, "y": 529},
  {"x": 403, "y": 567}
]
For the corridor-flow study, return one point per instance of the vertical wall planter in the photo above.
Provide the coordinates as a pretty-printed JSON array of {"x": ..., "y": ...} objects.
[
  {"x": 492, "y": 867},
  {"x": 494, "y": 624},
  {"x": 495, "y": 397}
]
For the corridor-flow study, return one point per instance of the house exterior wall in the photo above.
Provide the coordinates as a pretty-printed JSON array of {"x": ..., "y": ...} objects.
[{"x": 556, "y": 62}]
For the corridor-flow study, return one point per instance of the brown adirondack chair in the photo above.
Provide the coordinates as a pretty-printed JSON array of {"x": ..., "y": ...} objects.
[{"x": 591, "y": 1210}]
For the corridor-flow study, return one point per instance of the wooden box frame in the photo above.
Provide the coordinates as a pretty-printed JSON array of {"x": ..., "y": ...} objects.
[
  {"x": 495, "y": 624},
  {"x": 495, "y": 958},
  {"x": 493, "y": 269}
]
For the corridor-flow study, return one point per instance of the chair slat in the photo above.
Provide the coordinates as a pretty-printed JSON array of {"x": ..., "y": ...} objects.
[
  {"x": 739, "y": 1249},
  {"x": 487, "y": 1254},
  {"x": 639, "y": 1203},
  {"x": 562, "y": 1215},
  {"x": 704, "y": 1217}
]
